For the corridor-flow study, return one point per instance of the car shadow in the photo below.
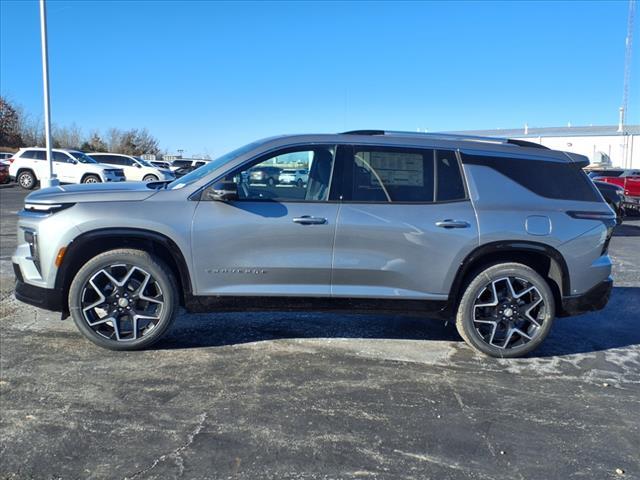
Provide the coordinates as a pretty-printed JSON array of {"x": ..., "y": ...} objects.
[
  {"x": 626, "y": 230},
  {"x": 617, "y": 326}
]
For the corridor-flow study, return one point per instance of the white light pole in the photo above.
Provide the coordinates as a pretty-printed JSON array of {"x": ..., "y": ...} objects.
[{"x": 51, "y": 180}]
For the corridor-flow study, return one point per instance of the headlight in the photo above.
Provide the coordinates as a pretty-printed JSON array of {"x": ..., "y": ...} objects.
[{"x": 46, "y": 208}]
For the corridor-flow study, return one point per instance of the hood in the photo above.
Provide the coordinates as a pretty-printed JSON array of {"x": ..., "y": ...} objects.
[{"x": 93, "y": 192}]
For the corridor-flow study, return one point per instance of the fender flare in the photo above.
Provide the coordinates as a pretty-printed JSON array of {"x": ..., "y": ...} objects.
[
  {"x": 505, "y": 246},
  {"x": 123, "y": 234}
]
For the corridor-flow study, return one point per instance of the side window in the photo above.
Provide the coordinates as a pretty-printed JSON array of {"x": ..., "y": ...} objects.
[
  {"x": 261, "y": 179},
  {"x": 34, "y": 154},
  {"x": 449, "y": 184},
  {"x": 380, "y": 174},
  {"x": 60, "y": 157},
  {"x": 550, "y": 179},
  {"x": 124, "y": 161}
]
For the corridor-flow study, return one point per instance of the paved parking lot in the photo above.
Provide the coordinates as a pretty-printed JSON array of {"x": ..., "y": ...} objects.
[{"x": 320, "y": 396}]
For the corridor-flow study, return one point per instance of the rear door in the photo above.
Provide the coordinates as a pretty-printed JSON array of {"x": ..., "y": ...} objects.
[
  {"x": 405, "y": 223},
  {"x": 260, "y": 239}
]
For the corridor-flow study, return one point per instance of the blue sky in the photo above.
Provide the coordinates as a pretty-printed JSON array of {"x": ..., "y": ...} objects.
[{"x": 209, "y": 76}]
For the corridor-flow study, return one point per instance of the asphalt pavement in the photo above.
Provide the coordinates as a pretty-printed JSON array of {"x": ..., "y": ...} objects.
[{"x": 320, "y": 396}]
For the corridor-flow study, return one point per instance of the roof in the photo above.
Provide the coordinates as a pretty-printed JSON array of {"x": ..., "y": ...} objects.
[{"x": 596, "y": 131}]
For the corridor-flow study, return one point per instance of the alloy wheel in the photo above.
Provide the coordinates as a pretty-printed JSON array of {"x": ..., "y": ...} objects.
[
  {"x": 508, "y": 312},
  {"x": 26, "y": 181},
  {"x": 122, "y": 302}
]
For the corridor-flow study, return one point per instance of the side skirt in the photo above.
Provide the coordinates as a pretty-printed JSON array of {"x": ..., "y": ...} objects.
[{"x": 431, "y": 308}]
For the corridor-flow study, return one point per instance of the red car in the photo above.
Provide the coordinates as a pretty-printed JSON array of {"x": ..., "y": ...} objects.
[
  {"x": 4, "y": 173},
  {"x": 627, "y": 179}
]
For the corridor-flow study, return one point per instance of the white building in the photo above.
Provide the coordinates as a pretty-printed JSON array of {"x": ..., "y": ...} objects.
[{"x": 601, "y": 144}]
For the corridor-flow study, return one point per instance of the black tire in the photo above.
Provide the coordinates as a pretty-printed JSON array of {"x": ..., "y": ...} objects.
[
  {"x": 91, "y": 179},
  {"x": 486, "y": 285},
  {"x": 26, "y": 179},
  {"x": 618, "y": 212},
  {"x": 150, "y": 178},
  {"x": 139, "y": 261}
]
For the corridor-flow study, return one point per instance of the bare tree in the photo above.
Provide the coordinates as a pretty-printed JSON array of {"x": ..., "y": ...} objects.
[{"x": 67, "y": 137}]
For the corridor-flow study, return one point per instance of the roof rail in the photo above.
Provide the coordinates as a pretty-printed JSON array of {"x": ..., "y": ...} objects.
[{"x": 450, "y": 136}]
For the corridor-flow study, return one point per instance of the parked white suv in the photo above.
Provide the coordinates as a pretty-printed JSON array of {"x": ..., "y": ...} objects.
[
  {"x": 30, "y": 165},
  {"x": 134, "y": 168},
  {"x": 298, "y": 177}
]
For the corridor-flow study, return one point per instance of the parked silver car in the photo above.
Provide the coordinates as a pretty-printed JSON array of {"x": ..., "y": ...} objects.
[{"x": 501, "y": 235}]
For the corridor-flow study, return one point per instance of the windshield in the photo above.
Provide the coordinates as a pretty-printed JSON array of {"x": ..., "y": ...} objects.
[
  {"x": 143, "y": 162},
  {"x": 205, "y": 170},
  {"x": 82, "y": 158}
]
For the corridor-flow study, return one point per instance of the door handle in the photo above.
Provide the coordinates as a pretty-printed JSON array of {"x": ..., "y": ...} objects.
[
  {"x": 448, "y": 223},
  {"x": 309, "y": 220}
]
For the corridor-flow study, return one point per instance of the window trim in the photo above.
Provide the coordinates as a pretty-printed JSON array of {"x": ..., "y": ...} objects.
[
  {"x": 345, "y": 188},
  {"x": 274, "y": 152}
]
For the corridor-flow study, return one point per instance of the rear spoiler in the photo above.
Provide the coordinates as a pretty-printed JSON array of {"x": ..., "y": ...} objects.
[{"x": 578, "y": 160}]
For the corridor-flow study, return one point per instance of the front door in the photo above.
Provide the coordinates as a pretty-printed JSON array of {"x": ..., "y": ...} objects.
[
  {"x": 404, "y": 226},
  {"x": 64, "y": 167},
  {"x": 252, "y": 237}
]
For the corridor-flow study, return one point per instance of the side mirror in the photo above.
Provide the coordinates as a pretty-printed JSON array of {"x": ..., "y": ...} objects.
[
  {"x": 138, "y": 165},
  {"x": 75, "y": 162},
  {"x": 224, "y": 192}
]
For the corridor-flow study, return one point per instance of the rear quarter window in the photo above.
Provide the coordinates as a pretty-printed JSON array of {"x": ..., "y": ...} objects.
[
  {"x": 34, "y": 154},
  {"x": 558, "y": 180}
]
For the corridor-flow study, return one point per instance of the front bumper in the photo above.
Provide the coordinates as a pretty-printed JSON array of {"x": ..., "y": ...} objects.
[
  {"x": 46, "y": 298},
  {"x": 594, "y": 299}
]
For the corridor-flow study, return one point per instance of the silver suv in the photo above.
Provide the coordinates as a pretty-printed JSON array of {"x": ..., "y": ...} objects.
[{"x": 502, "y": 235}]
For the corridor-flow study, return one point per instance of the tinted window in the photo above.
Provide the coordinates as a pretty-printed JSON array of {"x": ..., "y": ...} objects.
[
  {"x": 449, "y": 185},
  {"x": 182, "y": 163},
  {"x": 60, "y": 157},
  {"x": 34, "y": 154},
  {"x": 560, "y": 180},
  {"x": 381, "y": 174},
  {"x": 108, "y": 159}
]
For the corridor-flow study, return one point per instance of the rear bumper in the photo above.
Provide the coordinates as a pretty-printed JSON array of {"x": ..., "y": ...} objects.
[
  {"x": 47, "y": 298},
  {"x": 594, "y": 299}
]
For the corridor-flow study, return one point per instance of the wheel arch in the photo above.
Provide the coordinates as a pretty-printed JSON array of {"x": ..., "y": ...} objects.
[
  {"x": 90, "y": 174},
  {"x": 544, "y": 259},
  {"x": 89, "y": 244}
]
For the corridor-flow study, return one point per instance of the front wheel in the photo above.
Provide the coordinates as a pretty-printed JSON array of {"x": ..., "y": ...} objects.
[
  {"x": 123, "y": 299},
  {"x": 150, "y": 178},
  {"x": 506, "y": 311},
  {"x": 91, "y": 179}
]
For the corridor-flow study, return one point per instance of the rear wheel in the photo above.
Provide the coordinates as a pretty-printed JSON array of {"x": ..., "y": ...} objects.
[
  {"x": 123, "y": 299},
  {"x": 506, "y": 310},
  {"x": 150, "y": 178},
  {"x": 91, "y": 179},
  {"x": 26, "y": 179}
]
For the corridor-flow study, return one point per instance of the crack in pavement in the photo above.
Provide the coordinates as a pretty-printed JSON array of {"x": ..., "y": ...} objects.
[{"x": 175, "y": 454}]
